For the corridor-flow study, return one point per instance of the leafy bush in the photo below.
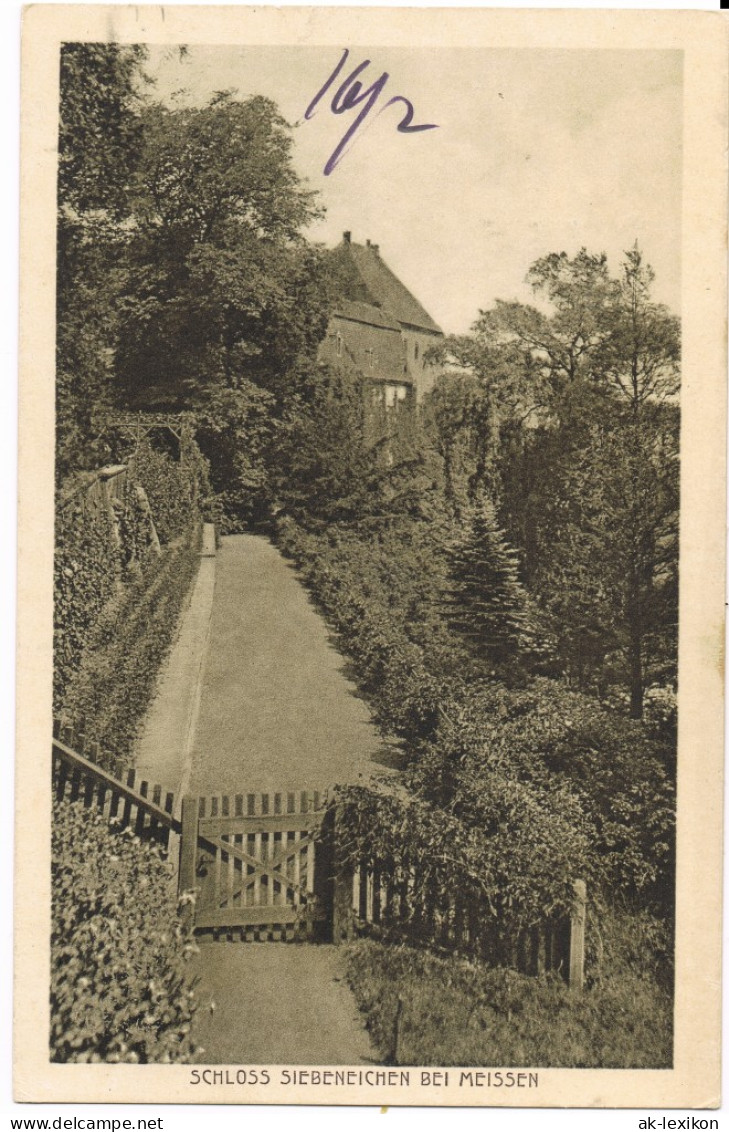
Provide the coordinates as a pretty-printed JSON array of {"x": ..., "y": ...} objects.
[
  {"x": 119, "y": 986},
  {"x": 558, "y": 740},
  {"x": 118, "y": 672},
  {"x": 510, "y": 861},
  {"x": 101, "y": 552}
]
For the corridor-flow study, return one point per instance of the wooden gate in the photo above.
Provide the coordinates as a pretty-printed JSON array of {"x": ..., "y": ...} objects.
[{"x": 251, "y": 861}]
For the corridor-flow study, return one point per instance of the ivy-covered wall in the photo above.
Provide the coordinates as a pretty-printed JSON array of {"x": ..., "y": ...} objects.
[{"x": 123, "y": 569}]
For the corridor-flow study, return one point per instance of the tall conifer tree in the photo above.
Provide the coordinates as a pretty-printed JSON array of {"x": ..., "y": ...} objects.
[{"x": 486, "y": 601}]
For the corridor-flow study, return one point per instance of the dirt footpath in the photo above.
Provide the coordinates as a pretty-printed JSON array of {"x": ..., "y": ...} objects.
[
  {"x": 277, "y": 1004},
  {"x": 276, "y": 711}
]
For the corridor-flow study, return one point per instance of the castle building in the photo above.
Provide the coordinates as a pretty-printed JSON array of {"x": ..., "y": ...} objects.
[{"x": 379, "y": 328}]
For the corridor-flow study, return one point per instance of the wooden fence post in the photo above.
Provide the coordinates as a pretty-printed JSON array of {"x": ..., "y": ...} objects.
[
  {"x": 188, "y": 852},
  {"x": 577, "y": 937}
]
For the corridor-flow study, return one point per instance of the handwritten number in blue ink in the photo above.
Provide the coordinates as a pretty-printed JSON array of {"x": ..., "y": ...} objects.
[
  {"x": 349, "y": 96},
  {"x": 404, "y": 127}
]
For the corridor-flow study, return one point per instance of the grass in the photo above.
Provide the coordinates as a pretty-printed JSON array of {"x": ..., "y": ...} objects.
[{"x": 457, "y": 1012}]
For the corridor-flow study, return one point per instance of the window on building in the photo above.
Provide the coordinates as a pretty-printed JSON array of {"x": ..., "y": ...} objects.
[
  {"x": 417, "y": 351},
  {"x": 395, "y": 395},
  {"x": 339, "y": 345}
]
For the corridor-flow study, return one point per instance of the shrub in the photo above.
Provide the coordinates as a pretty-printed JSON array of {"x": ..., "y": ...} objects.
[
  {"x": 558, "y": 740},
  {"x": 117, "y": 676},
  {"x": 102, "y": 551},
  {"x": 510, "y": 861},
  {"x": 119, "y": 986}
]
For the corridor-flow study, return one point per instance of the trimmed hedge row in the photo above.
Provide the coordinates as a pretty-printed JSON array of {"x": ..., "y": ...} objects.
[
  {"x": 100, "y": 553},
  {"x": 120, "y": 989},
  {"x": 118, "y": 672},
  {"x": 87, "y": 573},
  {"x": 600, "y": 777},
  {"x": 391, "y": 665}
]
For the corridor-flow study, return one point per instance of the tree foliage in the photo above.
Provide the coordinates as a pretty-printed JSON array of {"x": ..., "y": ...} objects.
[
  {"x": 567, "y": 411},
  {"x": 485, "y": 599},
  {"x": 98, "y": 148},
  {"x": 226, "y": 287}
]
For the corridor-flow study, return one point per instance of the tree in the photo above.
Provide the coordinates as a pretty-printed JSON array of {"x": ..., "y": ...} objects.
[
  {"x": 459, "y": 423},
  {"x": 485, "y": 601},
  {"x": 643, "y": 349},
  {"x": 226, "y": 288},
  {"x": 558, "y": 352},
  {"x": 99, "y": 130},
  {"x": 226, "y": 303},
  {"x": 583, "y": 459},
  {"x": 610, "y": 577},
  {"x": 325, "y": 466},
  {"x": 98, "y": 146}
]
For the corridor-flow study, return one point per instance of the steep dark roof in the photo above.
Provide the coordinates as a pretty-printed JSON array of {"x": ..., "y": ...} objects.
[
  {"x": 367, "y": 313},
  {"x": 384, "y": 289}
]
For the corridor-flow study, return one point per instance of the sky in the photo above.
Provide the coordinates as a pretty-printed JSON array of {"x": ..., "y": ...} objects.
[{"x": 536, "y": 151}]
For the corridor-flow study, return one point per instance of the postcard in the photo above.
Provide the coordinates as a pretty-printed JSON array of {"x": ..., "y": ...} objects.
[{"x": 371, "y": 557}]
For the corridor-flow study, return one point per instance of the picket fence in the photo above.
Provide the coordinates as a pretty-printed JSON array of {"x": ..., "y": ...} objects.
[
  {"x": 367, "y": 901},
  {"x": 269, "y": 867},
  {"x": 119, "y": 793}
]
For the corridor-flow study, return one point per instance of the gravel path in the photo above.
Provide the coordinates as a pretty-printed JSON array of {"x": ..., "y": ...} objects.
[
  {"x": 277, "y": 1004},
  {"x": 277, "y": 711}
]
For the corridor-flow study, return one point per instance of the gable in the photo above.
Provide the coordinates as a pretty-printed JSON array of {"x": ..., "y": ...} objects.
[
  {"x": 363, "y": 277},
  {"x": 386, "y": 290}
]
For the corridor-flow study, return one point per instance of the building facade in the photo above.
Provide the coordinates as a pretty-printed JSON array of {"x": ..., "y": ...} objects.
[{"x": 378, "y": 328}]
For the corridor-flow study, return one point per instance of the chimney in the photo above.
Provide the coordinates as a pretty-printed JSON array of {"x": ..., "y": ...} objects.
[
  {"x": 347, "y": 237},
  {"x": 376, "y": 249},
  {"x": 369, "y": 245}
]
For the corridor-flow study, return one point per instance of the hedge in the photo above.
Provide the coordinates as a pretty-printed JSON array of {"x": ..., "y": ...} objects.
[
  {"x": 101, "y": 553},
  {"x": 604, "y": 776},
  {"x": 119, "y": 669},
  {"x": 120, "y": 988},
  {"x": 511, "y": 871},
  {"x": 120, "y": 991},
  {"x": 118, "y": 595}
]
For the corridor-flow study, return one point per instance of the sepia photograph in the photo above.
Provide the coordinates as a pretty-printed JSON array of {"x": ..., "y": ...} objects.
[{"x": 368, "y": 400}]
